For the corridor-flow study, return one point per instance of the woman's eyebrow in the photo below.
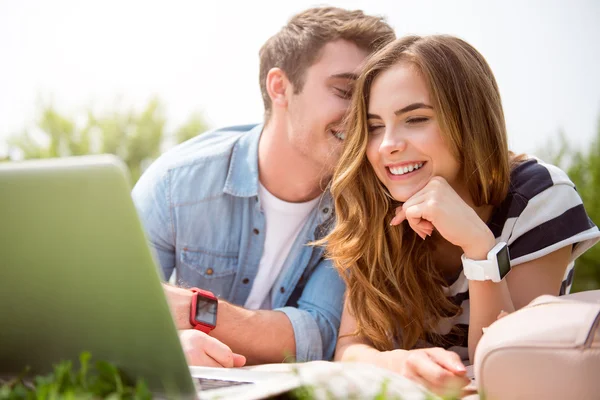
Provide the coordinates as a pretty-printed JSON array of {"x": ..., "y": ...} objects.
[{"x": 412, "y": 107}]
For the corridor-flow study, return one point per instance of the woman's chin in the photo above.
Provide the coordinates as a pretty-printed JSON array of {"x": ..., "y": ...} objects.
[{"x": 402, "y": 195}]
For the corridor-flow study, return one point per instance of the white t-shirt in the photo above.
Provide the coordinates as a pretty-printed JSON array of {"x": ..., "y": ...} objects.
[{"x": 283, "y": 223}]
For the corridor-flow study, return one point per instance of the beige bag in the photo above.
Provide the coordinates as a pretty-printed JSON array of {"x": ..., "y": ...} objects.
[{"x": 549, "y": 349}]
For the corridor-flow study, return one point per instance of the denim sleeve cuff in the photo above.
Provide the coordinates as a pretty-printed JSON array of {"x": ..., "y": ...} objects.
[
  {"x": 309, "y": 346},
  {"x": 165, "y": 261}
]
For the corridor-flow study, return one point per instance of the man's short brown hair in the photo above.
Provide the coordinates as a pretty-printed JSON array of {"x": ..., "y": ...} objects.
[{"x": 298, "y": 45}]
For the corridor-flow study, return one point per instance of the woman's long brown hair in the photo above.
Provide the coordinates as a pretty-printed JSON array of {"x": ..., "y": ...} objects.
[{"x": 395, "y": 291}]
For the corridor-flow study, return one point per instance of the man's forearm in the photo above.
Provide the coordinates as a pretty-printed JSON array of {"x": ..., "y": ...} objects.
[
  {"x": 261, "y": 336},
  {"x": 180, "y": 301}
]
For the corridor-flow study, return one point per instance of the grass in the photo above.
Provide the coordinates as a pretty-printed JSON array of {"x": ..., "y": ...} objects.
[{"x": 103, "y": 380}]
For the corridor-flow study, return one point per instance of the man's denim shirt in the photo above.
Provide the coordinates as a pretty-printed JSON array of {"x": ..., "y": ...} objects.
[{"x": 199, "y": 205}]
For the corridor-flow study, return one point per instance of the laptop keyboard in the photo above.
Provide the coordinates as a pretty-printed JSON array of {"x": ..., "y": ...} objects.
[{"x": 208, "y": 384}]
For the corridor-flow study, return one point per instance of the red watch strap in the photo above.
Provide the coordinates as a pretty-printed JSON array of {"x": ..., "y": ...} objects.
[
  {"x": 195, "y": 324},
  {"x": 204, "y": 328},
  {"x": 204, "y": 293}
]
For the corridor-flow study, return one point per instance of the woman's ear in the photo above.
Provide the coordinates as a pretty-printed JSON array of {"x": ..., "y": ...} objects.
[{"x": 277, "y": 87}]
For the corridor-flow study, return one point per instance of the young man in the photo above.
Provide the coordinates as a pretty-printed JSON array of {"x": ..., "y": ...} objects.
[{"x": 232, "y": 211}]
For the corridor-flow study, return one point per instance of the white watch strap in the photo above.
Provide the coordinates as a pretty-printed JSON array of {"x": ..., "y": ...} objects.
[
  {"x": 484, "y": 270},
  {"x": 475, "y": 270}
]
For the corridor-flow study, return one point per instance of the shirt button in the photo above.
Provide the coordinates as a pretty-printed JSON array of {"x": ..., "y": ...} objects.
[
  {"x": 325, "y": 210},
  {"x": 245, "y": 280},
  {"x": 209, "y": 271},
  {"x": 282, "y": 289},
  {"x": 256, "y": 231}
]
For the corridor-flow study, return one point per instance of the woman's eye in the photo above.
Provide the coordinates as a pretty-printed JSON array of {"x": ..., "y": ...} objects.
[
  {"x": 416, "y": 120},
  {"x": 374, "y": 129}
]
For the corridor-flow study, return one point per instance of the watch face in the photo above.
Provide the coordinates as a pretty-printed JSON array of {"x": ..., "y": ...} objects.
[
  {"x": 503, "y": 261},
  {"x": 206, "y": 310}
]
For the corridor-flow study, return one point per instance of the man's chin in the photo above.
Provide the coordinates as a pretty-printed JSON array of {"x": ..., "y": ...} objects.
[{"x": 330, "y": 161}]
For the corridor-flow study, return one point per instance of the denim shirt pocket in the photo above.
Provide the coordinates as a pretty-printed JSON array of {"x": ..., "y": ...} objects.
[{"x": 208, "y": 270}]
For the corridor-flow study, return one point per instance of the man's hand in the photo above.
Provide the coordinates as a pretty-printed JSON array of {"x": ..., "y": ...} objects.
[
  {"x": 201, "y": 349},
  {"x": 243, "y": 330}
]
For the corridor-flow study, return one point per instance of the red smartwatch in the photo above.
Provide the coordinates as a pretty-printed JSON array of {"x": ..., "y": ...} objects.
[{"x": 203, "y": 311}]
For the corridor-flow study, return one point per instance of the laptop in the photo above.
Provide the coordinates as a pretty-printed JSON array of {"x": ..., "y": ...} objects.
[{"x": 78, "y": 275}]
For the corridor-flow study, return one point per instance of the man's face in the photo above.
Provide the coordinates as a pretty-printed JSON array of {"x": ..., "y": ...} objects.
[{"x": 314, "y": 116}]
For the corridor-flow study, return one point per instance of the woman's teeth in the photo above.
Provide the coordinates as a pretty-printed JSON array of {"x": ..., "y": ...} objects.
[{"x": 405, "y": 169}]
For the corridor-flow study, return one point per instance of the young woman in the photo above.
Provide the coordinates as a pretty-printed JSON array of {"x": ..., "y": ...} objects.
[{"x": 431, "y": 206}]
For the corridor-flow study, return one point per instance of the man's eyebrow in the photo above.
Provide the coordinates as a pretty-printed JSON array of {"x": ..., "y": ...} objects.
[
  {"x": 412, "y": 107},
  {"x": 345, "y": 75}
]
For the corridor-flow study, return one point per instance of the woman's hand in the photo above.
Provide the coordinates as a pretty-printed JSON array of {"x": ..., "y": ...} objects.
[
  {"x": 438, "y": 206},
  {"x": 439, "y": 370}
]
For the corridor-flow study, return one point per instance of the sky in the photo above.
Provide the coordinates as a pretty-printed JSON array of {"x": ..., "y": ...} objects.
[{"x": 201, "y": 56}]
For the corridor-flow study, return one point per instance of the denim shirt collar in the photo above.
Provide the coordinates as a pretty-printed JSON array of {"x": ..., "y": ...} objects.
[{"x": 242, "y": 177}]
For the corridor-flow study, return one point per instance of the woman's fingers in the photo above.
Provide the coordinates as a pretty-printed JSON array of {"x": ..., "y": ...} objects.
[
  {"x": 412, "y": 214},
  {"x": 451, "y": 362},
  {"x": 399, "y": 217},
  {"x": 417, "y": 198},
  {"x": 427, "y": 369},
  {"x": 425, "y": 226},
  {"x": 448, "y": 360},
  {"x": 440, "y": 370}
]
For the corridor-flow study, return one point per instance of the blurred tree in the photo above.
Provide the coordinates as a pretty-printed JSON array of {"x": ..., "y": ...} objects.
[
  {"x": 585, "y": 173},
  {"x": 583, "y": 167},
  {"x": 193, "y": 127},
  {"x": 136, "y": 137},
  {"x": 557, "y": 151}
]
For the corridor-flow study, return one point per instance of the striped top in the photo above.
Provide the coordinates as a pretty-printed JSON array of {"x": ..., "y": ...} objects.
[{"x": 541, "y": 213}]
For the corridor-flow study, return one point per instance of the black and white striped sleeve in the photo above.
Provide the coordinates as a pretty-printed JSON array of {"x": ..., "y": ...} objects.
[{"x": 545, "y": 214}]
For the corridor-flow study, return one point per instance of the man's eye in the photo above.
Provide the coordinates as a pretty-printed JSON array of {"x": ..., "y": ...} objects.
[
  {"x": 344, "y": 94},
  {"x": 416, "y": 120}
]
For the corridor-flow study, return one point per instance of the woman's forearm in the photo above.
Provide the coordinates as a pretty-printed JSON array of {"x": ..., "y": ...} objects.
[
  {"x": 486, "y": 300},
  {"x": 360, "y": 352}
]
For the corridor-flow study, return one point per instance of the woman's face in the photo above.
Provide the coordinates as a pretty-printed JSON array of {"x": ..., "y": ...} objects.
[{"x": 405, "y": 145}]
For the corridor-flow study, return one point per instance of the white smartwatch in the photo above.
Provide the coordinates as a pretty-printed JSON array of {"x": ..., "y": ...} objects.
[{"x": 493, "y": 269}]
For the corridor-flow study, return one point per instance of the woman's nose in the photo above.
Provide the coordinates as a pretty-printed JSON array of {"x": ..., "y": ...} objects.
[{"x": 392, "y": 142}]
